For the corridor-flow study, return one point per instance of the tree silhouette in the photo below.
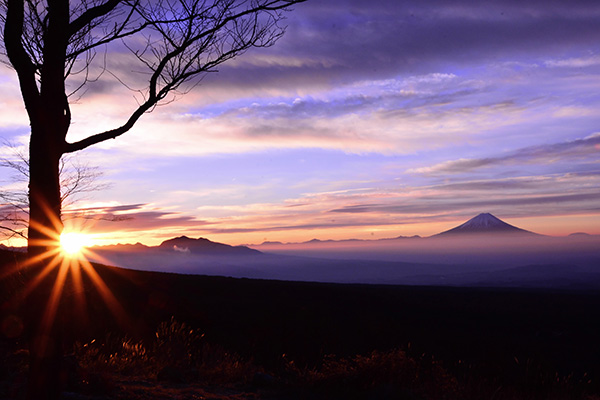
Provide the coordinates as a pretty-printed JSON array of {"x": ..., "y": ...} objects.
[{"x": 52, "y": 45}]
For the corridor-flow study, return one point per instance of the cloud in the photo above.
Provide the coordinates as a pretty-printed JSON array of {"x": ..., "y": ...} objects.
[
  {"x": 566, "y": 202},
  {"x": 107, "y": 209},
  {"x": 392, "y": 115},
  {"x": 342, "y": 41},
  {"x": 579, "y": 62},
  {"x": 181, "y": 249},
  {"x": 565, "y": 152},
  {"x": 358, "y": 40},
  {"x": 400, "y": 117},
  {"x": 453, "y": 166},
  {"x": 306, "y": 227},
  {"x": 129, "y": 218},
  {"x": 359, "y": 78}
]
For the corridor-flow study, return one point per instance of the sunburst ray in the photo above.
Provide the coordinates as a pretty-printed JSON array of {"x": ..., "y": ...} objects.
[{"x": 61, "y": 264}]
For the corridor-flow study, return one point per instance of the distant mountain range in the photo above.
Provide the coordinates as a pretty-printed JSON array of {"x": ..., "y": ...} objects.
[
  {"x": 484, "y": 224},
  {"x": 484, "y": 251}
]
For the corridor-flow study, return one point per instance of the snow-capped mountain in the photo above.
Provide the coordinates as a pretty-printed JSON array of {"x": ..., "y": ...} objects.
[{"x": 485, "y": 223}]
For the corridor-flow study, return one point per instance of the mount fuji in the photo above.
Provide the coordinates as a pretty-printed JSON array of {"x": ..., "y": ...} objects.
[{"x": 485, "y": 223}]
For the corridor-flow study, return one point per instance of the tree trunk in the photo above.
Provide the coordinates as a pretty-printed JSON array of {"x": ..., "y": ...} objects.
[{"x": 45, "y": 227}]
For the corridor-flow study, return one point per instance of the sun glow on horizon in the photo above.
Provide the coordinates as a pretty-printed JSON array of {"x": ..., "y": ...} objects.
[{"x": 73, "y": 243}]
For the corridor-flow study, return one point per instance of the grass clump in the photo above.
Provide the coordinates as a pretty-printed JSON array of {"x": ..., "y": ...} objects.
[{"x": 381, "y": 375}]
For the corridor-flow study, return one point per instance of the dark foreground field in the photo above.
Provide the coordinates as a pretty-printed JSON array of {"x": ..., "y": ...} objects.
[{"x": 194, "y": 337}]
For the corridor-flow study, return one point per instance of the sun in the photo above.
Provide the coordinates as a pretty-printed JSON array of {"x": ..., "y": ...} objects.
[{"x": 72, "y": 243}]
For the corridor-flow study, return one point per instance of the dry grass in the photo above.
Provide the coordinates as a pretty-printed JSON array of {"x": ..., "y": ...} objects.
[
  {"x": 178, "y": 362},
  {"x": 177, "y": 354}
]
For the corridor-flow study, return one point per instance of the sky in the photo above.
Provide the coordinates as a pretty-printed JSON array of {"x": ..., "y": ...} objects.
[{"x": 366, "y": 120}]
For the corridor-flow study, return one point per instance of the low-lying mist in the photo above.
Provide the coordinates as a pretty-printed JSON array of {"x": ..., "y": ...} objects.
[
  {"x": 464, "y": 260},
  {"x": 489, "y": 249}
]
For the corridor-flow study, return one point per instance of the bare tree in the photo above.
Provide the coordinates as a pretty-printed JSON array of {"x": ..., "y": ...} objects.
[{"x": 52, "y": 45}]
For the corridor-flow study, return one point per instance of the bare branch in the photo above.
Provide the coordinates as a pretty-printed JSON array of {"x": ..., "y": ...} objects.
[
  {"x": 112, "y": 134},
  {"x": 88, "y": 17},
  {"x": 14, "y": 27},
  {"x": 195, "y": 37},
  {"x": 11, "y": 232}
]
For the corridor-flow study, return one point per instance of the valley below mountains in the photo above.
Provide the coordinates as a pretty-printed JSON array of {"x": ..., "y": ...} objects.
[{"x": 483, "y": 252}]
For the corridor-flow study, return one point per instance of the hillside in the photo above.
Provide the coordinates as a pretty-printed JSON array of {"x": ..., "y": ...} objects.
[{"x": 496, "y": 337}]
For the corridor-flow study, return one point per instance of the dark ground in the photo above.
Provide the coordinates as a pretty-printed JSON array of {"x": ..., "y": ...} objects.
[{"x": 536, "y": 342}]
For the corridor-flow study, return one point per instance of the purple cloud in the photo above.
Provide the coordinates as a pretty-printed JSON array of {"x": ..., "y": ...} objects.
[
  {"x": 342, "y": 40},
  {"x": 565, "y": 152}
]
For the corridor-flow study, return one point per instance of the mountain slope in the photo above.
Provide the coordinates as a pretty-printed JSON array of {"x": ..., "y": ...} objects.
[
  {"x": 185, "y": 244},
  {"x": 485, "y": 223}
]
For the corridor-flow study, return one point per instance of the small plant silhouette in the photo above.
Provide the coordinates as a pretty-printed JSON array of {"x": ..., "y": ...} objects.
[{"x": 177, "y": 344}]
